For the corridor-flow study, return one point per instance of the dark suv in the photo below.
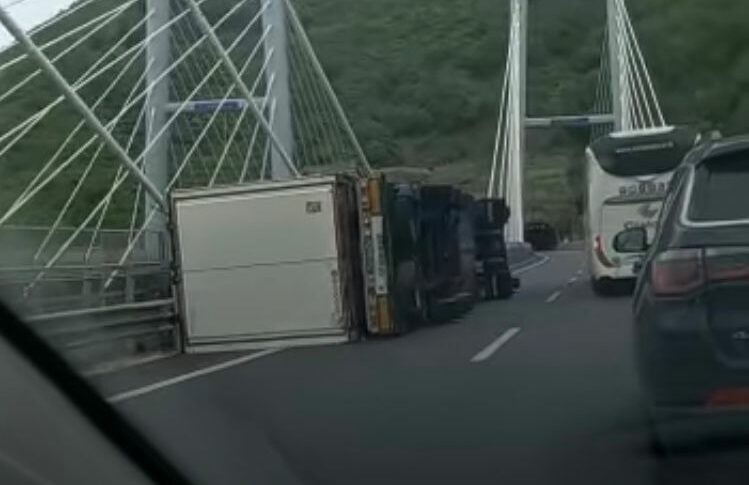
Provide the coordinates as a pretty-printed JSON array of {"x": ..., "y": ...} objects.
[{"x": 691, "y": 303}]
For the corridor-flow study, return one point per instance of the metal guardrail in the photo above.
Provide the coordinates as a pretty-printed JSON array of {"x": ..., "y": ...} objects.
[
  {"x": 92, "y": 325},
  {"x": 103, "y": 336},
  {"x": 81, "y": 287}
]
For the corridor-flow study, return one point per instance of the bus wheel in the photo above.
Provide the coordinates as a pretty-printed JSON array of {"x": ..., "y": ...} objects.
[{"x": 601, "y": 287}]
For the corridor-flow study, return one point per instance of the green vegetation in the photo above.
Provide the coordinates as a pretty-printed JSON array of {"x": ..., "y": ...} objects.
[
  {"x": 420, "y": 78},
  {"x": 420, "y": 81}
]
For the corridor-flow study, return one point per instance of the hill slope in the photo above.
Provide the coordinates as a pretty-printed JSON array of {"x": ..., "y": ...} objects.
[{"x": 420, "y": 79}]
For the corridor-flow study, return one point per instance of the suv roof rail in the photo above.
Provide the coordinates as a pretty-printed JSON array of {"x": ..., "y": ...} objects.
[{"x": 713, "y": 148}]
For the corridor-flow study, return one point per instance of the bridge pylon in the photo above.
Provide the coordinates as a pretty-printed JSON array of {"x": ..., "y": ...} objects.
[{"x": 627, "y": 101}]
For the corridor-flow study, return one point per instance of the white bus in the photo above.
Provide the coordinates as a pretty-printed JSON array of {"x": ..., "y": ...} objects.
[{"x": 627, "y": 176}]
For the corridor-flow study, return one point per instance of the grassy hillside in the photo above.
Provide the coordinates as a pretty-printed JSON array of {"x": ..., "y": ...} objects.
[
  {"x": 420, "y": 79},
  {"x": 425, "y": 68}
]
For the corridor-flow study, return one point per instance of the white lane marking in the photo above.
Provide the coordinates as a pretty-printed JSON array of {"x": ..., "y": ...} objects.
[
  {"x": 579, "y": 272},
  {"x": 123, "y": 396},
  {"x": 494, "y": 346},
  {"x": 554, "y": 297},
  {"x": 544, "y": 260},
  {"x": 572, "y": 280}
]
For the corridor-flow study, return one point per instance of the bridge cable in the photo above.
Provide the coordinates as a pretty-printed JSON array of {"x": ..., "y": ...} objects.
[
  {"x": 634, "y": 87},
  {"x": 256, "y": 131},
  {"x": 641, "y": 58},
  {"x": 84, "y": 175},
  {"x": 253, "y": 89},
  {"x": 315, "y": 105},
  {"x": 637, "y": 68},
  {"x": 53, "y": 42},
  {"x": 74, "y": 8},
  {"x": 105, "y": 200},
  {"x": 83, "y": 80},
  {"x": 209, "y": 30},
  {"x": 293, "y": 17},
  {"x": 500, "y": 129}
]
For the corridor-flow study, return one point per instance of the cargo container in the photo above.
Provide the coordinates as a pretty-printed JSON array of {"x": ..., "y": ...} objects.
[
  {"x": 326, "y": 259},
  {"x": 269, "y": 264}
]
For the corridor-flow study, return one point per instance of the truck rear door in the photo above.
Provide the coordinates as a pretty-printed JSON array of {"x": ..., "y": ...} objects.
[{"x": 260, "y": 266}]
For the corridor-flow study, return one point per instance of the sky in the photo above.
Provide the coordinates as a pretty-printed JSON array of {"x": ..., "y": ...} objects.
[{"x": 30, "y": 13}]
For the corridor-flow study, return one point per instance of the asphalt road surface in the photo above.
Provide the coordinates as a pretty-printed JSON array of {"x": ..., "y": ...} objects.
[{"x": 540, "y": 389}]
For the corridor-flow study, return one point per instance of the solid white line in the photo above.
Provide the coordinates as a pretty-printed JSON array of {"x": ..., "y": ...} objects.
[
  {"x": 190, "y": 375},
  {"x": 494, "y": 346},
  {"x": 554, "y": 297},
  {"x": 544, "y": 260}
]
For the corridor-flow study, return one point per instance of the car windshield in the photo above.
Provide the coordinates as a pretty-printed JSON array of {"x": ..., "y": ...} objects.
[{"x": 376, "y": 242}]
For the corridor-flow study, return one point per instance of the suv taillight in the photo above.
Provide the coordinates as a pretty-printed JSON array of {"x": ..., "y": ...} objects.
[
  {"x": 727, "y": 264},
  {"x": 678, "y": 272},
  {"x": 681, "y": 271}
]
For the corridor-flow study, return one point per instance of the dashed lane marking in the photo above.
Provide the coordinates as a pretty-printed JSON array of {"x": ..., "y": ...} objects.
[
  {"x": 554, "y": 297},
  {"x": 496, "y": 345}
]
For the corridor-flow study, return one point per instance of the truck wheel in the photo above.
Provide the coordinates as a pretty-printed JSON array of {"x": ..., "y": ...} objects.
[
  {"x": 491, "y": 286},
  {"x": 498, "y": 286},
  {"x": 508, "y": 286}
]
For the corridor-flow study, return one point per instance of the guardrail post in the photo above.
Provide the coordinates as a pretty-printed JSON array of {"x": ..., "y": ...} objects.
[
  {"x": 87, "y": 290},
  {"x": 129, "y": 285}
]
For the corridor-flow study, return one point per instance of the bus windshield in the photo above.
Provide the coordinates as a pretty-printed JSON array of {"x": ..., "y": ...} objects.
[{"x": 643, "y": 153}]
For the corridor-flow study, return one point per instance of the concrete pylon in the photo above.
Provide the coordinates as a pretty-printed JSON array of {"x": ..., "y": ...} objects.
[
  {"x": 157, "y": 166},
  {"x": 516, "y": 115}
]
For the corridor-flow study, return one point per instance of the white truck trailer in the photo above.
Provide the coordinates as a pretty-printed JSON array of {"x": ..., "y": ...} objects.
[{"x": 271, "y": 264}]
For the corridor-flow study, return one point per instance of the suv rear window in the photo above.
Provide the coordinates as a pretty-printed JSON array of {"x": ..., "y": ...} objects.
[{"x": 721, "y": 190}]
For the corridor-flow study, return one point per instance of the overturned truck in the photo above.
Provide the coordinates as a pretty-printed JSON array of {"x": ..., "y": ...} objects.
[{"x": 330, "y": 259}]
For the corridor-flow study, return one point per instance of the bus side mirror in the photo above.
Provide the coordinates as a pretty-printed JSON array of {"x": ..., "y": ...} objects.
[{"x": 633, "y": 240}]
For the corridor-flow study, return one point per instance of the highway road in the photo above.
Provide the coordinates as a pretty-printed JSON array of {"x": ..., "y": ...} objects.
[{"x": 537, "y": 390}]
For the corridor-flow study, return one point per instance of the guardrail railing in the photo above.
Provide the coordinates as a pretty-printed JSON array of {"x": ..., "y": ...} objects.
[{"x": 103, "y": 336}]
